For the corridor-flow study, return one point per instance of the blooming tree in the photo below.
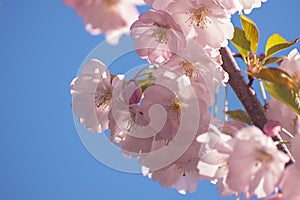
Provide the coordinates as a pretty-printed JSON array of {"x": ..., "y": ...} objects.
[{"x": 164, "y": 117}]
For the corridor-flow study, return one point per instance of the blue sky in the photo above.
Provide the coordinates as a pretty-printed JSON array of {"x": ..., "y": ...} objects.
[{"x": 42, "y": 45}]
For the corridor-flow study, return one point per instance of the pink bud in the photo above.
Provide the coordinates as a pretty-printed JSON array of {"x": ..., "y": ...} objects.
[
  {"x": 272, "y": 128},
  {"x": 132, "y": 93},
  {"x": 136, "y": 96}
]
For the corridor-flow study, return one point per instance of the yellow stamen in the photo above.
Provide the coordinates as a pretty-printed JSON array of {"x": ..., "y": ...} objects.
[
  {"x": 176, "y": 105},
  {"x": 263, "y": 157}
]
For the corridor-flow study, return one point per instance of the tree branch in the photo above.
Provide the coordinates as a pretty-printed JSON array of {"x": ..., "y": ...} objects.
[{"x": 246, "y": 95}]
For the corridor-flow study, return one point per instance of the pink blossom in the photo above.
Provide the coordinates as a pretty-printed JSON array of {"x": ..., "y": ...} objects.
[
  {"x": 277, "y": 110},
  {"x": 232, "y": 6},
  {"x": 290, "y": 183},
  {"x": 248, "y": 5},
  {"x": 288, "y": 119},
  {"x": 272, "y": 128},
  {"x": 255, "y": 164},
  {"x": 157, "y": 36},
  {"x": 132, "y": 93},
  {"x": 92, "y": 92},
  {"x": 212, "y": 165},
  {"x": 126, "y": 120},
  {"x": 166, "y": 176},
  {"x": 224, "y": 189},
  {"x": 181, "y": 174},
  {"x": 176, "y": 177},
  {"x": 158, "y": 94},
  {"x": 199, "y": 64},
  {"x": 206, "y": 21},
  {"x": 291, "y": 64},
  {"x": 175, "y": 151},
  {"x": 291, "y": 177},
  {"x": 277, "y": 196},
  {"x": 232, "y": 127},
  {"x": 238, "y": 5},
  {"x": 158, "y": 4},
  {"x": 175, "y": 93},
  {"x": 187, "y": 182},
  {"x": 295, "y": 149},
  {"x": 214, "y": 154},
  {"x": 111, "y": 17},
  {"x": 122, "y": 124}
]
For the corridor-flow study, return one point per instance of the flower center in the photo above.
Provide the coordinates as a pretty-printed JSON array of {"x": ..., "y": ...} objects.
[
  {"x": 103, "y": 99},
  {"x": 253, "y": 64},
  {"x": 175, "y": 105},
  {"x": 198, "y": 18},
  {"x": 263, "y": 157},
  {"x": 112, "y": 5},
  {"x": 161, "y": 33},
  {"x": 189, "y": 69}
]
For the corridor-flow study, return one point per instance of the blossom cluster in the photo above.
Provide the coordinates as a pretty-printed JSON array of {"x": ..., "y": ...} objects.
[{"x": 163, "y": 117}]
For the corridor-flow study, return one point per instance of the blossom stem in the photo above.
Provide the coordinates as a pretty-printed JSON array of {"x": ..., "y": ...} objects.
[
  {"x": 215, "y": 108},
  {"x": 226, "y": 104},
  {"x": 287, "y": 150},
  {"x": 263, "y": 91},
  {"x": 138, "y": 74},
  {"x": 142, "y": 75}
]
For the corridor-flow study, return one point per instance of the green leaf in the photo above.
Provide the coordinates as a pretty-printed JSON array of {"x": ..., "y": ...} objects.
[
  {"x": 275, "y": 75},
  {"x": 277, "y": 43},
  {"x": 251, "y": 32},
  {"x": 285, "y": 95},
  {"x": 272, "y": 60},
  {"x": 241, "y": 43},
  {"x": 239, "y": 115}
]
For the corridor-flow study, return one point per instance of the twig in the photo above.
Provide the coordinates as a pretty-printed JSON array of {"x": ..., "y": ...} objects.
[{"x": 226, "y": 104}]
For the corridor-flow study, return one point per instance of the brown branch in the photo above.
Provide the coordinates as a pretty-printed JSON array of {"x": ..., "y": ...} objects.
[
  {"x": 237, "y": 55},
  {"x": 246, "y": 94}
]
